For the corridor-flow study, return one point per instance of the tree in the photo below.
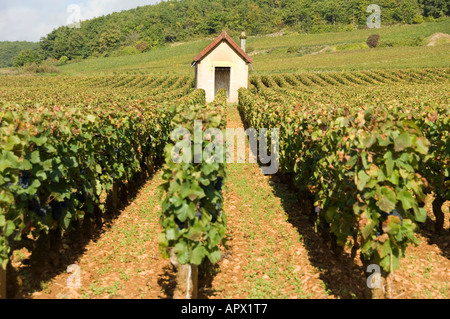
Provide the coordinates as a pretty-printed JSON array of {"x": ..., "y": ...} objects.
[
  {"x": 76, "y": 44},
  {"x": 27, "y": 57},
  {"x": 170, "y": 21},
  {"x": 435, "y": 8},
  {"x": 9, "y": 50},
  {"x": 109, "y": 39},
  {"x": 405, "y": 11}
]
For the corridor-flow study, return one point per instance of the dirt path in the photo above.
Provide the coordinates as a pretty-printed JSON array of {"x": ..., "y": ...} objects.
[
  {"x": 267, "y": 257},
  {"x": 123, "y": 262},
  {"x": 273, "y": 252}
]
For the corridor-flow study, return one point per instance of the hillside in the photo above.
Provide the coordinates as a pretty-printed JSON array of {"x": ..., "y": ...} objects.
[
  {"x": 8, "y": 50},
  {"x": 401, "y": 46},
  {"x": 151, "y": 26}
]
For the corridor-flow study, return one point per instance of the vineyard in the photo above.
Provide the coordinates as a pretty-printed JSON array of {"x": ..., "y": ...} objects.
[
  {"x": 364, "y": 157},
  {"x": 365, "y": 154}
]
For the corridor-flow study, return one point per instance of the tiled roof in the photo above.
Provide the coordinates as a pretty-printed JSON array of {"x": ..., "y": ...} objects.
[{"x": 223, "y": 37}]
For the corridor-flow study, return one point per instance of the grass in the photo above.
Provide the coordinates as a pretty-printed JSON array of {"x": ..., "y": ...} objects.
[{"x": 348, "y": 52}]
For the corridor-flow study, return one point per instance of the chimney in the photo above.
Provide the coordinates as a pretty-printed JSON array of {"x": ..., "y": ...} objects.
[{"x": 243, "y": 37}]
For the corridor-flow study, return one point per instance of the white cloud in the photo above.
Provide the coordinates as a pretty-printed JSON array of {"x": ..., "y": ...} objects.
[
  {"x": 30, "y": 20},
  {"x": 25, "y": 23}
]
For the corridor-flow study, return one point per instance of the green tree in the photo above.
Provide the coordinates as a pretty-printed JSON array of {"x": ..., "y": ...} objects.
[
  {"x": 405, "y": 10},
  {"x": 9, "y": 50},
  {"x": 109, "y": 39},
  {"x": 27, "y": 57},
  {"x": 435, "y": 8},
  {"x": 76, "y": 44},
  {"x": 187, "y": 19}
]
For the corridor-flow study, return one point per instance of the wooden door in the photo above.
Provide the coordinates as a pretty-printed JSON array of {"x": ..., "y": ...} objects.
[{"x": 222, "y": 80}]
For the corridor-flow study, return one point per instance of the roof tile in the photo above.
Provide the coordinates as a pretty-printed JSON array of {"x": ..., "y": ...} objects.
[{"x": 223, "y": 37}]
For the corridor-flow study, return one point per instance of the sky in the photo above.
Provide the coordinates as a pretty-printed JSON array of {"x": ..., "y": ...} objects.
[{"x": 29, "y": 20}]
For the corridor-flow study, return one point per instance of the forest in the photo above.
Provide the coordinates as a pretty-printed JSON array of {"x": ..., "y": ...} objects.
[
  {"x": 143, "y": 28},
  {"x": 9, "y": 50}
]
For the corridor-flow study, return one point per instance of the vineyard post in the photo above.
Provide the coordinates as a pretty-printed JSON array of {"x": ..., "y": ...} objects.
[
  {"x": 376, "y": 280},
  {"x": 186, "y": 279},
  {"x": 379, "y": 292},
  {"x": 2, "y": 283}
]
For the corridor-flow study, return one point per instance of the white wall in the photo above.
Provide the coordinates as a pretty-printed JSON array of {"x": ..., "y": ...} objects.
[{"x": 222, "y": 56}]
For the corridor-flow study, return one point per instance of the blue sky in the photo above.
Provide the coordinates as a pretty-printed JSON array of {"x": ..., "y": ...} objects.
[{"x": 29, "y": 20}]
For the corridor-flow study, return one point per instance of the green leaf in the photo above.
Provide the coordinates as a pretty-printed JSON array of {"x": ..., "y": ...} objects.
[
  {"x": 33, "y": 187},
  {"x": 8, "y": 160},
  {"x": 367, "y": 230},
  {"x": 66, "y": 220},
  {"x": 162, "y": 240},
  {"x": 182, "y": 251},
  {"x": 403, "y": 141},
  {"x": 420, "y": 214},
  {"x": 185, "y": 211},
  {"x": 12, "y": 141},
  {"x": 392, "y": 225},
  {"x": 171, "y": 233},
  {"x": 368, "y": 139},
  {"x": 394, "y": 178},
  {"x": 195, "y": 232},
  {"x": 91, "y": 118},
  {"x": 6, "y": 197},
  {"x": 386, "y": 199},
  {"x": 363, "y": 178},
  {"x": 98, "y": 187},
  {"x": 185, "y": 189},
  {"x": 72, "y": 162},
  {"x": 9, "y": 228},
  {"x": 41, "y": 175},
  {"x": 25, "y": 165},
  {"x": 384, "y": 249},
  {"x": 207, "y": 168},
  {"x": 192, "y": 190},
  {"x": 352, "y": 161},
  {"x": 329, "y": 214},
  {"x": 2, "y": 220},
  {"x": 197, "y": 254},
  {"x": 39, "y": 141},
  {"x": 214, "y": 256},
  {"x": 35, "y": 158},
  {"x": 422, "y": 145},
  {"x": 46, "y": 165},
  {"x": 389, "y": 161},
  {"x": 8, "y": 117},
  {"x": 176, "y": 201},
  {"x": 407, "y": 199}
]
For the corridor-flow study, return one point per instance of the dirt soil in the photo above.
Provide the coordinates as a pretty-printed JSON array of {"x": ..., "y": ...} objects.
[{"x": 438, "y": 38}]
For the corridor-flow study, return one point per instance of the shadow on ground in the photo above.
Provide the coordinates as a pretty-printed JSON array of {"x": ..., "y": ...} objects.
[
  {"x": 342, "y": 276},
  {"x": 42, "y": 266},
  {"x": 167, "y": 281},
  {"x": 439, "y": 238}
]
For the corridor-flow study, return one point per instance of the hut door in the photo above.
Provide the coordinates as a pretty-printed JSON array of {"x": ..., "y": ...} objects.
[{"x": 222, "y": 80}]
